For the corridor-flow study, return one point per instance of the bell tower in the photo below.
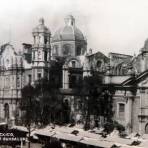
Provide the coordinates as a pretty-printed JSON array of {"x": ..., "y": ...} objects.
[{"x": 40, "y": 51}]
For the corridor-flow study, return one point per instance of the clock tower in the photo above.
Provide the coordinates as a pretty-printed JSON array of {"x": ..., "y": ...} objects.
[{"x": 40, "y": 51}]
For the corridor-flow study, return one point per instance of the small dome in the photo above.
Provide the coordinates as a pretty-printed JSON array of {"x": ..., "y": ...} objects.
[
  {"x": 41, "y": 27},
  {"x": 68, "y": 32}
]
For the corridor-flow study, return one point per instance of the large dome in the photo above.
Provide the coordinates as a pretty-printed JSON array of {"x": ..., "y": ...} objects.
[{"x": 68, "y": 32}]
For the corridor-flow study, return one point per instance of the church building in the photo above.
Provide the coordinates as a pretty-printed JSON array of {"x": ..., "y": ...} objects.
[{"x": 127, "y": 74}]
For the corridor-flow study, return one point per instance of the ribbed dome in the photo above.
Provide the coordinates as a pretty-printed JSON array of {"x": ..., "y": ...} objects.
[
  {"x": 41, "y": 27},
  {"x": 68, "y": 32}
]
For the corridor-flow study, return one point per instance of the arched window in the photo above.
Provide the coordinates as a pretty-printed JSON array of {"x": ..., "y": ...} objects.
[
  {"x": 99, "y": 63},
  {"x": 6, "y": 110},
  {"x": 73, "y": 64},
  {"x": 55, "y": 49}
]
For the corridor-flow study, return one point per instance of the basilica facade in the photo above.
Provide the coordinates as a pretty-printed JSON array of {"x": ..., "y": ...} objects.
[
  {"x": 127, "y": 74},
  {"x": 17, "y": 69}
]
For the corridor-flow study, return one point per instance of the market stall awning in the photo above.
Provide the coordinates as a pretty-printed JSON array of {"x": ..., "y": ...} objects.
[
  {"x": 20, "y": 128},
  {"x": 67, "y": 137}
]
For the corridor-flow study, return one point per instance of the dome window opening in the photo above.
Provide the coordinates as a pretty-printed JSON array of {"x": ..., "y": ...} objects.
[
  {"x": 41, "y": 21},
  {"x": 55, "y": 49},
  {"x": 67, "y": 49},
  {"x": 78, "y": 51}
]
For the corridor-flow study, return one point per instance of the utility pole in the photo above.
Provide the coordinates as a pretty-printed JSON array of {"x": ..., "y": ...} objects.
[
  {"x": 29, "y": 113},
  {"x": 28, "y": 95},
  {"x": 29, "y": 130}
]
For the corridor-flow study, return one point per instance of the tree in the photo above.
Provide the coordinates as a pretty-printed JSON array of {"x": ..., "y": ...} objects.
[
  {"x": 91, "y": 90},
  {"x": 47, "y": 104},
  {"x": 99, "y": 98},
  {"x": 27, "y": 104}
]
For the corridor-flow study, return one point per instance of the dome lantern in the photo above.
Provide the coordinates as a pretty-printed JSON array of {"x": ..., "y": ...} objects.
[
  {"x": 69, "y": 20},
  {"x": 41, "y": 21},
  {"x": 69, "y": 32},
  {"x": 41, "y": 28}
]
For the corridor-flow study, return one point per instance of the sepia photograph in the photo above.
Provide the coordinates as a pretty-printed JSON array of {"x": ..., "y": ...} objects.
[{"x": 74, "y": 74}]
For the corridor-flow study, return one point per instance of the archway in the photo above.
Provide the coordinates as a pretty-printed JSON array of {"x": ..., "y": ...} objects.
[{"x": 146, "y": 129}]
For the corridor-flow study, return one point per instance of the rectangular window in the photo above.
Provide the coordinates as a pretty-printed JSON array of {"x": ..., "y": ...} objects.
[
  {"x": 121, "y": 111},
  {"x": 72, "y": 81},
  {"x": 33, "y": 55},
  {"x": 142, "y": 90},
  {"x": 45, "y": 55},
  {"x": 39, "y": 70},
  {"x": 18, "y": 81},
  {"x": 45, "y": 40}
]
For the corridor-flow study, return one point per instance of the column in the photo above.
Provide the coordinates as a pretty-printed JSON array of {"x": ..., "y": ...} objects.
[
  {"x": 128, "y": 114},
  {"x": 65, "y": 78}
]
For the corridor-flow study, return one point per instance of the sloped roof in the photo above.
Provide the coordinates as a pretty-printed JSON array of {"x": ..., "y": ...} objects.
[
  {"x": 135, "y": 79},
  {"x": 98, "y": 55},
  {"x": 2, "y": 48}
]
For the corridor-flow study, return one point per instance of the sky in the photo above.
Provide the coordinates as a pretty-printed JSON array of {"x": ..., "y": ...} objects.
[{"x": 109, "y": 25}]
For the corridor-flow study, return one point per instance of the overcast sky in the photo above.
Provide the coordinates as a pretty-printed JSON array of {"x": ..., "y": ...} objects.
[{"x": 109, "y": 25}]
